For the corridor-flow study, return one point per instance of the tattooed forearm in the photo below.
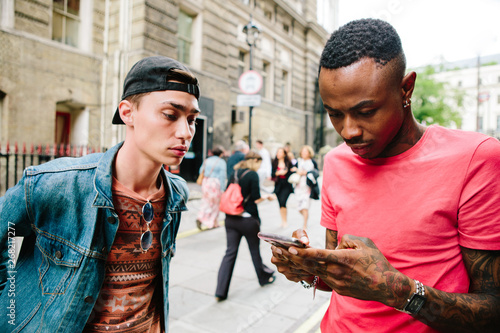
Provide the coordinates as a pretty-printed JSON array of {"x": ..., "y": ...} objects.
[
  {"x": 477, "y": 311},
  {"x": 484, "y": 270},
  {"x": 331, "y": 239},
  {"x": 330, "y": 244},
  {"x": 461, "y": 312}
]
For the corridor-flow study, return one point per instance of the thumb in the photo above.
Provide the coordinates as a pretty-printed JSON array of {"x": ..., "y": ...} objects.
[
  {"x": 350, "y": 242},
  {"x": 301, "y": 234}
]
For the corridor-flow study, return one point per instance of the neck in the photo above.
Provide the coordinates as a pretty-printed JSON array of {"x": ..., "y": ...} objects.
[
  {"x": 137, "y": 174},
  {"x": 408, "y": 136}
]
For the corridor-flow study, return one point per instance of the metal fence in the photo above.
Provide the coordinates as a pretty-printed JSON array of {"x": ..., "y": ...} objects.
[{"x": 14, "y": 159}]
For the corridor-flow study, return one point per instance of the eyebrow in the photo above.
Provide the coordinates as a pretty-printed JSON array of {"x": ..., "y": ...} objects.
[
  {"x": 358, "y": 106},
  {"x": 181, "y": 107}
]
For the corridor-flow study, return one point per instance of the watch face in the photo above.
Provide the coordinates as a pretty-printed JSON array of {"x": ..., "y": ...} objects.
[{"x": 416, "y": 303}]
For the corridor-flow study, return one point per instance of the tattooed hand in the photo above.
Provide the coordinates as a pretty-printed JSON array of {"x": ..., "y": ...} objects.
[
  {"x": 288, "y": 268},
  {"x": 356, "y": 268}
]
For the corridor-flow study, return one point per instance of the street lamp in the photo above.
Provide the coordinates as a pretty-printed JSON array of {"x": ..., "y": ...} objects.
[{"x": 252, "y": 32}]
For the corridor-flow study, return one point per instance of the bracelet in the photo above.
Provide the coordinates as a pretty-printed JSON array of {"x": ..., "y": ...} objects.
[{"x": 310, "y": 285}]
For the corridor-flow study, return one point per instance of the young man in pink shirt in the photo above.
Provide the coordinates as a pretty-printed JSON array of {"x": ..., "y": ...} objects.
[{"x": 412, "y": 213}]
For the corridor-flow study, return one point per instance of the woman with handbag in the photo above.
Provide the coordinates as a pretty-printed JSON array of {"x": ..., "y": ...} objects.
[
  {"x": 281, "y": 171},
  {"x": 305, "y": 164},
  {"x": 212, "y": 186},
  {"x": 245, "y": 225}
]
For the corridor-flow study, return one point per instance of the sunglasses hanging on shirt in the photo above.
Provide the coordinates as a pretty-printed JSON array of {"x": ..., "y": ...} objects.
[{"x": 147, "y": 236}]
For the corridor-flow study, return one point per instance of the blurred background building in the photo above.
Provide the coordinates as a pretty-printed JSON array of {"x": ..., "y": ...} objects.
[
  {"x": 63, "y": 62},
  {"x": 478, "y": 81}
]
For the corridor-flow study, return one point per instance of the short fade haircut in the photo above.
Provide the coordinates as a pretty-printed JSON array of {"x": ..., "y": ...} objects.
[{"x": 365, "y": 38}]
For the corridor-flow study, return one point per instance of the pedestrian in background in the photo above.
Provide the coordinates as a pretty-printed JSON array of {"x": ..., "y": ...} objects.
[
  {"x": 281, "y": 171},
  {"x": 291, "y": 155},
  {"x": 212, "y": 187},
  {"x": 99, "y": 231},
  {"x": 247, "y": 225},
  {"x": 266, "y": 167},
  {"x": 240, "y": 149},
  {"x": 302, "y": 191}
]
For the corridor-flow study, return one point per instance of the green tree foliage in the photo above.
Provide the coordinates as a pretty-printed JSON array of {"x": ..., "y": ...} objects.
[{"x": 435, "y": 102}]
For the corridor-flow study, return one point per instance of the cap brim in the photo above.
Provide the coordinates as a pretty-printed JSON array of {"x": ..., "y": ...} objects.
[{"x": 117, "y": 120}]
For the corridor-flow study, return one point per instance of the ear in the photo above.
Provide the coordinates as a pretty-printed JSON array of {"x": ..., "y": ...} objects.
[
  {"x": 407, "y": 85},
  {"x": 126, "y": 109}
]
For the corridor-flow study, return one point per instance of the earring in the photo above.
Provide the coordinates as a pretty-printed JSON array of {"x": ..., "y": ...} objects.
[{"x": 407, "y": 103}]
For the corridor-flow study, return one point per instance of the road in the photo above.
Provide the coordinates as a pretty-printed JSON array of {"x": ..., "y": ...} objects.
[{"x": 282, "y": 307}]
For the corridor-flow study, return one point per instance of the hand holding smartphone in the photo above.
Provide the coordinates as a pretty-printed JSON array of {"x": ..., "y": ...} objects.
[{"x": 280, "y": 240}]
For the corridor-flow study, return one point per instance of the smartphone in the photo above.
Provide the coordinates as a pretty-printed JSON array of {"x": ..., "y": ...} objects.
[{"x": 280, "y": 240}]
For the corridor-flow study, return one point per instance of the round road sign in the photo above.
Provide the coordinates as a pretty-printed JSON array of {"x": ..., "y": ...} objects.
[{"x": 250, "y": 82}]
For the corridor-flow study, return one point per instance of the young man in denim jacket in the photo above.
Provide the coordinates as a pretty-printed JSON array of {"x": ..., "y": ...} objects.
[{"x": 99, "y": 231}]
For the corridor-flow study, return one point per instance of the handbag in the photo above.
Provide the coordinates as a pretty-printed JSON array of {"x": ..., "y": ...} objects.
[
  {"x": 312, "y": 182},
  {"x": 231, "y": 201},
  {"x": 294, "y": 178},
  {"x": 199, "y": 180}
]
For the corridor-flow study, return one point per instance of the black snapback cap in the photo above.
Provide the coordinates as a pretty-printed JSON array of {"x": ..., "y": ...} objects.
[{"x": 152, "y": 74}]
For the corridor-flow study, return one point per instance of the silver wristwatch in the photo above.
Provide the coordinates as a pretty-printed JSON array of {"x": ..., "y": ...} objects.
[{"x": 416, "y": 301}]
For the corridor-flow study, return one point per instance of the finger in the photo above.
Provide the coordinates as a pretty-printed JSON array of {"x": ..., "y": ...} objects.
[
  {"x": 355, "y": 242},
  {"x": 301, "y": 234},
  {"x": 348, "y": 244},
  {"x": 290, "y": 270},
  {"x": 301, "y": 264},
  {"x": 312, "y": 257},
  {"x": 281, "y": 254},
  {"x": 323, "y": 263}
]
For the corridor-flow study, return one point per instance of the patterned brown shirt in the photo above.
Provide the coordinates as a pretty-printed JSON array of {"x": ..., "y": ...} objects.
[{"x": 131, "y": 296}]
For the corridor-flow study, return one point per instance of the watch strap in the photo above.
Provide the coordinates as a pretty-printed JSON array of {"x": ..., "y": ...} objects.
[{"x": 416, "y": 301}]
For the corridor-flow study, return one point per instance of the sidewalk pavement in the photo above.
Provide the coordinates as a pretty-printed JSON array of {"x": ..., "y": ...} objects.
[{"x": 282, "y": 307}]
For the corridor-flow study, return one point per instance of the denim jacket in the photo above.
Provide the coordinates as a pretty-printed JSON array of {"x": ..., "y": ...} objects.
[{"x": 64, "y": 211}]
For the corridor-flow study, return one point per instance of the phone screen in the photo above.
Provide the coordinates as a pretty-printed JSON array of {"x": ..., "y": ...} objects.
[{"x": 280, "y": 240}]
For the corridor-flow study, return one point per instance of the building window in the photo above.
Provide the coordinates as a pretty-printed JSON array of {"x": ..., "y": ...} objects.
[
  {"x": 498, "y": 99},
  {"x": 459, "y": 83},
  {"x": 185, "y": 37},
  {"x": 498, "y": 123},
  {"x": 480, "y": 124},
  {"x": 241, "y": 63},
  {"x": 266, "y": 67},
  {"x": 286, "y": 27},
  {"x": 284, "y": 87},
  {"x": 66, "y": 21}
]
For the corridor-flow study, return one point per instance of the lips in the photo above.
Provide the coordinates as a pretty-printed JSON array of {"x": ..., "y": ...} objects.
[
  {"x": 179, "y": 150},
  {"x": 360, "y": 149}
]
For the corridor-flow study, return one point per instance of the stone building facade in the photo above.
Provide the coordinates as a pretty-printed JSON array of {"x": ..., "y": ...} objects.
[
  {"x": 481, "y": 95},
  {"x": 63, "y": 62}
]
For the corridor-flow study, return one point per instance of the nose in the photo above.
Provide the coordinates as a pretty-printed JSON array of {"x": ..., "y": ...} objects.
[
  {"x": 185, "y": 130},
  {"x": 350, "y": 128}
]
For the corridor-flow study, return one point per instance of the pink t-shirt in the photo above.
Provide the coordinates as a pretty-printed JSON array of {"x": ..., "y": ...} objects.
[{"x": 418, "y": 207}]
